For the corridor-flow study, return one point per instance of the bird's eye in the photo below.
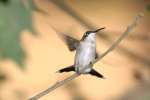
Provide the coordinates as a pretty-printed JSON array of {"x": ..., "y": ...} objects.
[{"x": 87, "y": 33}]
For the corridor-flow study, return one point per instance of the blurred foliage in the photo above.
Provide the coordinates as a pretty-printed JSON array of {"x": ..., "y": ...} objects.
[
  {"x": 4, "y": 1},
  {"x": 2, "y": 77},
  {"x": 148, "y": 7},
  {"x": 15, "y": 16},
  {"x": 140, "y": 92}
]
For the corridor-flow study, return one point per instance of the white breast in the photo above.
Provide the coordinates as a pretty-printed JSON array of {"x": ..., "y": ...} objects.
[{"x": 84, "y": 55}]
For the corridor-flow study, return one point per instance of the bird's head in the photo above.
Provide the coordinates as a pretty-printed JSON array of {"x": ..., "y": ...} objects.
[{"x": 90, "y": 35}]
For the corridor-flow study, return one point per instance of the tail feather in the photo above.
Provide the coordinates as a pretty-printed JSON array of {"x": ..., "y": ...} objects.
[
  {"x": 67, "y": 69},
  {"x": 72, "y": 68},
  {"x": 95, "y": 73}
]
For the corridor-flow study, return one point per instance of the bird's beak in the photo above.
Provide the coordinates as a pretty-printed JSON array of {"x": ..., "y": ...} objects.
[{"x": 99, "y": 29}]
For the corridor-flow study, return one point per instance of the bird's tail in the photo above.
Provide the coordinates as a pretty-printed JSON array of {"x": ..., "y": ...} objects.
[
  {"x": 67, "y": 69},
  {"x": 72, "y": 68},
  {"x": 95, "y": 73}
]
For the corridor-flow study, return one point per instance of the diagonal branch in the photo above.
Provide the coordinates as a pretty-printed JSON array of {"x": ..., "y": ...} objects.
[
  {"x": 60, "y": 83},
  {"x": 55, "y": 86},
  {"x": 126, "y": 32}
]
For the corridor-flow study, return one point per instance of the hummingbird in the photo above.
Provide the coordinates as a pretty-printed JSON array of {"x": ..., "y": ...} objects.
[{"x": 85, "y": 53}]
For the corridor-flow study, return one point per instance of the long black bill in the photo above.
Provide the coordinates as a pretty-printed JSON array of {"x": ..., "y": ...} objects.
[{"x": 99, "y": 29}]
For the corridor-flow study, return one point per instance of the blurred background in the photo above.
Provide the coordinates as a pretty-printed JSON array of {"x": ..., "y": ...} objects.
[{"x": 31, "y": 51}]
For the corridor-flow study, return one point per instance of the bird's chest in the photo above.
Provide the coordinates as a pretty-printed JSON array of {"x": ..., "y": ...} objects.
[{"x": 85, "y": 54}]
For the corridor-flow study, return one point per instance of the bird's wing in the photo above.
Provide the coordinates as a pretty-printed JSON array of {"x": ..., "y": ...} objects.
[{"x": 71, "y": 42}]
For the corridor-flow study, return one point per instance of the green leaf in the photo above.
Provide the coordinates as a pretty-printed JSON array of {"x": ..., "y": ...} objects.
[{"x": 14, "y": 18}]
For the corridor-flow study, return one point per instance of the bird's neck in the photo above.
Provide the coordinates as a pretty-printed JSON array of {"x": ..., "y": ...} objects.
[{"x": 91, "y": 38}]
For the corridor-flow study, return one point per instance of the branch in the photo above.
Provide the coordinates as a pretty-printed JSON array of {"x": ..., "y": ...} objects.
[
  {"x": 60, "y": 83},
  {"x": 53, "y": 87},
  {"x": 126, "y": 32}
]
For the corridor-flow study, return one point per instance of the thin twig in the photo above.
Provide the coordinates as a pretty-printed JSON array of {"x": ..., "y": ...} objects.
[
  {"x": 126, "y": 32},
  {"x": 60, "y": 83},
  {"x": 53, "y": 87}
]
